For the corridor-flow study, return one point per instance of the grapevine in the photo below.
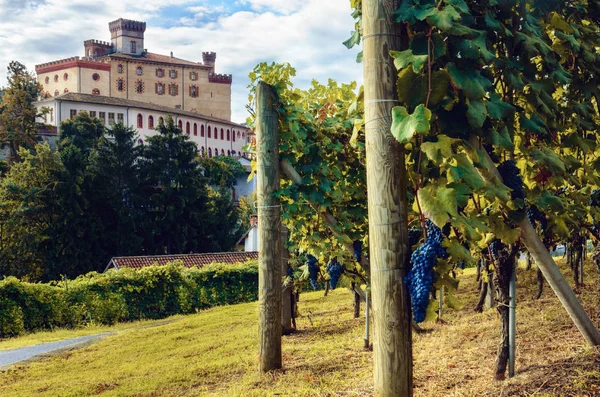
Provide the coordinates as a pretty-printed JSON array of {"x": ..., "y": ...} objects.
[{"x": 510, "y": 175}]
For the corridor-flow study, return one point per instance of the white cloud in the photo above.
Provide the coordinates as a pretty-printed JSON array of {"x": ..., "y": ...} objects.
[{"x": 308, "y": 34}]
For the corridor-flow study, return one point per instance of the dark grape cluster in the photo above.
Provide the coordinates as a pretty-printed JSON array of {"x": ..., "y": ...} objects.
[
  {"x": 422, "y": 275},
  {"x": 335, "y": 270},
  {"x": 511, "y": 177},
  {"x": 290, "y": 272},
  {"x": 313, "y": 271},
  {"x": 495, "y": 247},
  {"x": 357, "y": 245},
  {"x": 595, "y": 198},
  {"x": 536, "y": 216},
  {"x": 414, "y": 235}
]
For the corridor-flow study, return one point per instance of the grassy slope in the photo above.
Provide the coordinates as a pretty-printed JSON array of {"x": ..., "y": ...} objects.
[{"x": 214, "y": 353}]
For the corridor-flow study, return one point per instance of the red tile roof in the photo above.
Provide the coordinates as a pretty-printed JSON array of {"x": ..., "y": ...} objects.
[{"x": 189, "y": 260}]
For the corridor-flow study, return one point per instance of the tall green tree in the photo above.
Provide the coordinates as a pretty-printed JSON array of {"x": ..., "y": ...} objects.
[
  {"x": 172, "y": 181},
  {"x": 17, "y": 113},
  {"x": 115, "y": 183},
  {"x": 28, "y": 212}
]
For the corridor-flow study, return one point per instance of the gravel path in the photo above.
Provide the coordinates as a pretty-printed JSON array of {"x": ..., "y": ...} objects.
[{"x": 8, "y": 357}]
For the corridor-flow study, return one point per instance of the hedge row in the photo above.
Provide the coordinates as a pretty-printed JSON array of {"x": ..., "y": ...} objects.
[{"x": 151, "y": 293}]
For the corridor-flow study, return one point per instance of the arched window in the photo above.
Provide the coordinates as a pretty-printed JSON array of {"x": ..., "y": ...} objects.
[
  {"x": 195, "y": 129},
  {"x": 55, "y": 92},
  {"x": 222, "y": 134},
  {"x": 222, "y": 152},
  {"x": 228, "y": 152},
  {"x": 96, "y": 91},
  {"x": 228, "y": 135},
  {"x": 47, "y": 79},
  {"x": 139, "y": 71},
  {"x": 66, "y": 76},
  {"x": 140, "y": 142},
  {"x": 202, "y": 151},
  {"x": 120, "y": 85},
  {"x": 67, "y": 90},
  {"x": 209, "y": 152},
  {"x": 240, "y": 154},
  {"x": 233, "y": 135},
  {"x": 209, "y": 131},
  {"x": 201, "y": 130},
  {"x": 120, "y": 68},
  {"x": 216, "y": 152},
  {"x": 187, "y": 127},
  {"x": 140, "y": 121},
  {"x": 56, "y": 78},
  {"x": 150, "y": 122},
  {"x": 161, "y": 121},
  {"x": 180, "y": 125}
]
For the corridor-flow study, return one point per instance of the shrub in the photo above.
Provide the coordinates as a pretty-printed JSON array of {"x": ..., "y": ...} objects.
[{"x": 125, "y": 295}]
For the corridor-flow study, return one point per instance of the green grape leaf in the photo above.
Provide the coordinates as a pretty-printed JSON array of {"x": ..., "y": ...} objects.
[
  {"x": 457, "y": 251},
  {"x": 476, "y": 113},
  {"x": 404, "y": 58},
  {"x": 464, "y": 170},
  {"x": 443, "y": 19},
  {"x": 353, "y": 40},
  {"x": 470, "y": 81},
  {"x": 440, "y": 150},
  {"x": 502, "y": 139},
  {"x": 404, "y": 125},
  {"x": 438, "y": 204},
  {"x": 498, "y": 109}
]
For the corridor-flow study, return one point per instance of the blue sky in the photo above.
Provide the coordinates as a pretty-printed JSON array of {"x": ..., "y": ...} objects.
[{"x": 306, "y": 33}]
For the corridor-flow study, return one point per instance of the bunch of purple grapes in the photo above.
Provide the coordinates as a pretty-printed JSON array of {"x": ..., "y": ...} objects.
[{"x": 335, "y": 270}]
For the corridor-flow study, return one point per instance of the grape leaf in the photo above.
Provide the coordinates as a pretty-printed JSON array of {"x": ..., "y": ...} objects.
[
  {"x": 438, "y": 204},
  {"x": 476, "y": 113},
  {"x": 404, "y": 58},
  {"x": 404, "y": 125},
  {"x": 440, "y": 150}
]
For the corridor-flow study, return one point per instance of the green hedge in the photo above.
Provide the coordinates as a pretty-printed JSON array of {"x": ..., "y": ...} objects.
[{"x": 125, "y": 295}]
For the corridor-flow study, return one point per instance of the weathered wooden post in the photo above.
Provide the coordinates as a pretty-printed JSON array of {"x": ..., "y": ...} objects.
[
  {"x": 286, "y": 297},
  {"x": 386, "y": 187},
  {"x": 269, "y": 242}
]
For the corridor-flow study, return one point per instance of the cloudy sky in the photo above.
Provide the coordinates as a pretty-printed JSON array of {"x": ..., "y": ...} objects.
[{"x": 306, "y": 33}]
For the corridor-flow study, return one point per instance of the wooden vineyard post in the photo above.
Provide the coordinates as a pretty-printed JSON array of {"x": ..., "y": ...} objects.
[
  {"x": 286, "y": 297},
  {"x": 387, "y": 205},
  {"x": 269, "y": 221}
]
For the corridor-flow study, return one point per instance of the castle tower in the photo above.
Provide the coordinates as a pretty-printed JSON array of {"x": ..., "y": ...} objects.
[
  {"x": 209, "y": 58},
  {"x": 127, "y": 36}
]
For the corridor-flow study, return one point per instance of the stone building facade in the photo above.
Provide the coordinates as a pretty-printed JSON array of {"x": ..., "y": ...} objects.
[{"x": 124, "y": 69}]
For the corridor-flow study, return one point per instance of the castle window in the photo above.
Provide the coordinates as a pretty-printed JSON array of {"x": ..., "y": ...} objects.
[
  {"x": 55, "y": 92},
  {"x": 180, "y": 125},
  {"x": 202, "y": 151},
  {"x": 160, "y": 72},
  {"x": 233, "y": 135},
  {"x": 193, "y": 91},
  {"x": 89, "y": 52},
  {"x": 173, "y": 73},
  {"x": 139, "y": 71},
  {"x": 132, "y": 47},
  {"x": 66, "y": 90},
  {"x": 140, "y": 142},
  {"x": 229, "y": 153},
  {"x": 216, "y": 152},
  {"x": 209, "y": 131},
  {"x": 120, "y": 117},
  {"x": 193, "y": 76},
  {"x": 51, "y": 115},
  {"x": 95, "y": 77},
  {"x": 96, "y": 91},
  {"x": 187, "y": 128},
  {"x": 120, "y": 85},
  {"x": 66, "y": 76},
  {"x": 139, "y": 86},
  {"x": 73, "y": 113},
  {"x": 92, "y": 113},
  {"x": 222, "y": 134},
  {"x": 161, "y": 121},
  {"x": 120, "y": 68},
  {"x": 150, "y": 122},
  {"x": 56, "y": 78},
  {"x": 160, "y": 88},
  {"x": 111, "y": 118},
  {"x": 47, "y": 79},
  {"x": 209, "y": 152},
  {"x": 102, "y": 116},
  {"x": 140, "y": 121},
  {"x": 195, "y": 129},
  {"x": 228, "y": 136},
  {"x": 222, "y": 152},
  {"x": 173, "y": 89},
  {"x": 202, "y": 130}
]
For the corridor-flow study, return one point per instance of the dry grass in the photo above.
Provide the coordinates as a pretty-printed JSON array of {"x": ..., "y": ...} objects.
[{"x": 214, "y": 353}]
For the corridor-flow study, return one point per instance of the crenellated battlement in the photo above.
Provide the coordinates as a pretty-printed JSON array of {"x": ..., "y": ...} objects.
[
  {"x": 220, "y": 78},
  {"x": 97, "y": 42},
  {"x": 72, "y": 62},
  {"x": 127, "y": 24},
  {"x": 209, "y": 57}
]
